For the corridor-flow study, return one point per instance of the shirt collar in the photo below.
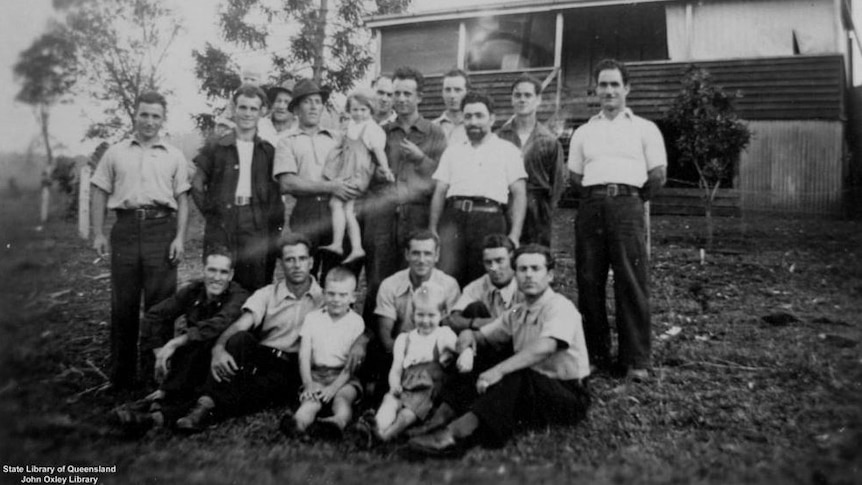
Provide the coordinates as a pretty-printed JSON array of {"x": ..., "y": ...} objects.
[
  {"x": 297, "y": 131},
  {"x": 545, "y": 298},
  {"x": 507, "y": 293},
  {"x": 158, "y": 143},
  {"x": 283, "y": 293},
  {"x": 230, "y": 139},
  {"x": 421, "y": 124},
  {"x": 626, "y": 113},
  {"x": 403, "y": 282}
]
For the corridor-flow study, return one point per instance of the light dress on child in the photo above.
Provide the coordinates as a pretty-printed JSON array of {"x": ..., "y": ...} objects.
[
  {"x": 423, "y": 376},
  {"x": 352, "y": 160}
]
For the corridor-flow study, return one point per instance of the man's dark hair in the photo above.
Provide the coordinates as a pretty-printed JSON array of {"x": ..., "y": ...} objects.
[
  {"x": 526, "y": 78},
  {"x": 340, "y": 273},
  {"x": 294, "y": 239},
  {"x": 534, "y": 249},
  {"x": 423, "y": 235},
  {"x": 410, "y": 73},
  {"x": 151, "y": 97},
  {"x": 460, "y": 73},
  {"x": 610, "y": 65},
  {"x": 219, "y": 250},
  {"x": 476, "y": 97},
  {"x": 494, "y": 241},
  {"x": 251, "y": 91}
]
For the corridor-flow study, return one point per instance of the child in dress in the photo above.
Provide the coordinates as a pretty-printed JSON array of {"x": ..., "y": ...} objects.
[
  {"x": 326, "y": 337},
  {"x": 418, "y": 359},
  {"x": 353, "y": 162}
]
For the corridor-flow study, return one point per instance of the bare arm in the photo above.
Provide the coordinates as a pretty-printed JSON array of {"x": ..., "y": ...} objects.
[
  {"x": 295, "y": 185},
  {"x": 177, "y": 248},
  {"x": 532, "y": 354},
  {"x": 517, "y": 208},
  {"x": 223, "y": 366},
  {"x": 437, "y": 202},
  {"x": 384, "y": 332},
  {"x": 97, "y": 210}
]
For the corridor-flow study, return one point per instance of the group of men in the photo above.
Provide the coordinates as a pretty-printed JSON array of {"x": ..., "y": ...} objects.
[{"x": 456, "y": 183}]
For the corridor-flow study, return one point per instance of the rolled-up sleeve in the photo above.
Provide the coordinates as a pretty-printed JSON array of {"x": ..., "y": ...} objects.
[{"x": 285, "y": 158}]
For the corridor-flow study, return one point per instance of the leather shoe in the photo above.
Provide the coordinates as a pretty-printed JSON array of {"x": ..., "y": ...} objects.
[
  {"x": 439, "y": 444},
  {"x": 638, "y": 375},
  {"x": 196, "y": 420}
]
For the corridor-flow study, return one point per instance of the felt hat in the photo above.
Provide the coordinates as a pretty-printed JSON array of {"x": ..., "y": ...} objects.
[
  {"x": 306, "y": 87},
  {"x": 285, "y": 87}
]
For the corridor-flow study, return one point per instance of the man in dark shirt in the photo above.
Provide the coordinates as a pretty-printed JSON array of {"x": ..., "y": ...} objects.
[
  {"x": 182, "y": 362},
  {"x": 543, "y": 159}
]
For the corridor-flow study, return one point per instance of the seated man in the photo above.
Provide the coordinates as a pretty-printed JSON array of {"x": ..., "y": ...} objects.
[
  {"x": 541, "y": 384},
  {"x": 255, "y": 361},
  {"x": 182, "y": 362},
  {"x": 394, "y": 308},
  {"x": 488, "y": 297}
]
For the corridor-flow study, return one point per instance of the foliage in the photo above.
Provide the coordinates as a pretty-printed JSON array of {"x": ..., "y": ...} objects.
[
  {"x": 122, "y": 46},
  {"x": 707, "y": 132},
  {"x": 328, "y": 44}
]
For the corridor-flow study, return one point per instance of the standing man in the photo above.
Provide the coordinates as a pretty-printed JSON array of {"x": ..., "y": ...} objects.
[
  {"x": 298, "y": 168},
  {"x": 145, "y": 182},
  {"x": 475, "y": 181},
  {"x": 490, "y": 296},
  {"x": 280, "y": 119},
  {"x": 383, "y": 89},
  {"x": 255, "y": 362},
  {"x": 209, "y": 305},
  {"x": 618, "y": 161},
  {"x": 455, "y": 87},
  {"x": 543, "y": 160},
  {"x": 235, "y": 192},
  {"x": 394, "y": 211},
  {"x": 541, "y": 384}
]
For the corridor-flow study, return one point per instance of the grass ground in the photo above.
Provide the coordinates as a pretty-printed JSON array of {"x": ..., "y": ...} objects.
[{"x": 734, "y": 398}]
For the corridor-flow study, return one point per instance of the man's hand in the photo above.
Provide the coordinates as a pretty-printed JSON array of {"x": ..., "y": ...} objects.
[
  {"x": 177, "y": 250},
  {"x": 466, "y": 340},
  {"x": 488, "y": 379},
  {"x": 514, "y": 240},
  {"x": 327, "y": 393},
  {"x": 100, "y": 244},
  {"x": 355, "y": 357},
  {"x": 311, "y": 391},
  {"x": 223, "y": 367},
  {"x": 163, "y": 356},
  {"x": 411, "y": 150},
  {"x": 344, "y": 190}
]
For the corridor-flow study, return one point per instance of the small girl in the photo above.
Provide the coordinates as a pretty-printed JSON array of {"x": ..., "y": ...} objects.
[
  {"x": 418, "y": 359},
  {"x": 353, "y": 162}
]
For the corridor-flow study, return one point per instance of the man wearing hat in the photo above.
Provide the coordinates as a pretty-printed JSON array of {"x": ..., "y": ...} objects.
[
  {"x": 240, "y": 202},
  {"x": 280, "y": 120},
  {"x": 298, "y": 168}
]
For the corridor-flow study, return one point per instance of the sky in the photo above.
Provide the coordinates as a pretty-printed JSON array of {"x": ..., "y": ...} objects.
[{"x": 24, "y": 20}]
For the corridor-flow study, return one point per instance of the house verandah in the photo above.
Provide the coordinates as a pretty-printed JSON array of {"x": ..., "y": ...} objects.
[{"x": 785, "y": 58}]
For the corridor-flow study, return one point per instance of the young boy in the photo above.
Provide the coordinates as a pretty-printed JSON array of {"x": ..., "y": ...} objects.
[{"x": 326, "y": 337}]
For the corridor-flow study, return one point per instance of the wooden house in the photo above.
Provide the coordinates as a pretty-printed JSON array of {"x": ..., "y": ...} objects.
[{"x": 789, "y": 60}]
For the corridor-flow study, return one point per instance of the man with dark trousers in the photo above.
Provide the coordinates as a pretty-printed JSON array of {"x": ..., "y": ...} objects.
[
  {"x": 618, "y": 162},
  {"x": 255, "y": 362},
  {"x": 234, "y": 189},
  {"x": 543, "y": 160},
  {"x": 209, "y": 305},
  {"x": 145, "y": 182}
]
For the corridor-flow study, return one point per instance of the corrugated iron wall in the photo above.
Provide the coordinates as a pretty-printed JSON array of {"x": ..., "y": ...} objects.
[{"x": 794, "y": 167}]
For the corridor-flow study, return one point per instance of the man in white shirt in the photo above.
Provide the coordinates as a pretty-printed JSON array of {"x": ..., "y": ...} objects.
[
  {"x": 476, "y": 181},
  {"x": 617, "y": 161}
]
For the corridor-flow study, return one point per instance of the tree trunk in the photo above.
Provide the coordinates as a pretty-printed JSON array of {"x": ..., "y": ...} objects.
[
  {"x": 317, "y": 64},
  {"x": 44, "y": 117}
]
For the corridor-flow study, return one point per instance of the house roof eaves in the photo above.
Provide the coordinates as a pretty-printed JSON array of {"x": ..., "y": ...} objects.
[{"x": 518, "y": 7}]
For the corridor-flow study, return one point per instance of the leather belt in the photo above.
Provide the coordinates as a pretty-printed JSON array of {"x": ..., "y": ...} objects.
[
  {"x": 241, "y": 201},
  {"x": 612, "y": 190},
  {"x": 145, "y": 213},
  {"x": 474, "y": 204},
  {"x": 280, "y": 354}
]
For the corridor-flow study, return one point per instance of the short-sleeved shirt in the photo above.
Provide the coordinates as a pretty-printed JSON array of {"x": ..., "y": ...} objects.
[
  {"x": 136, "y": 176},
  {"x": 486, "y": 170},
  {"x": 419, "y": 349},
  {"x": 497, "y": 300},
  {"x": 554, "y": 316},
  {"x": 331, "y": 340},
  {"x": 304, "y": 154},
  {"x": 455, "y": 132},
  {"x": 279, "y": 314},
  {"x": 395, "y": 297},
  {"x": 618, "y": 151},
  {"x": 373, "y": 136}
]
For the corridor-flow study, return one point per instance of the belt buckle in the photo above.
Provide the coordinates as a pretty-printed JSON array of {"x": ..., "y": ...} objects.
[
  {"x": 613, "y": 190},
  {"x": 467, "y": 205},
  {"x": 141, "y": 214}
]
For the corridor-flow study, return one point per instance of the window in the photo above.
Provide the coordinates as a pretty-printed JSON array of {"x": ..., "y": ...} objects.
[{"x": 510, "y": 42}]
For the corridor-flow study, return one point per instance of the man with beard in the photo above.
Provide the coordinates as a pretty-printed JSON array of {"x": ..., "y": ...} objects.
[
  {"x": 182, "y": 362},
  {"x": 455, "y": 87},
  {"x": 476, "y": 181},
  {"x": 235, "y": 192}
]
